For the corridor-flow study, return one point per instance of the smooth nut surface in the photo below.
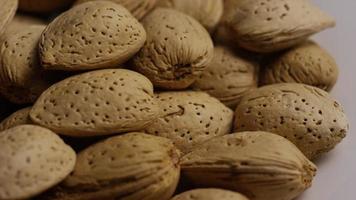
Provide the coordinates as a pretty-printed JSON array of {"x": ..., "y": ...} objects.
[
  {"x": 209, "y": 194},
  {"x": 33, "y": 159},
  {"x": 177, "y": 49},
  {"x": 307, "y": 63},
  {"x": 100, "y": 102},
  {"x": 306, "y": 115},
  {"x": 20, "y": 117},
  {"x": 261, "y": 165},
  {"x": 190, "y": 118},
  {"x": 92, "y": 35}
]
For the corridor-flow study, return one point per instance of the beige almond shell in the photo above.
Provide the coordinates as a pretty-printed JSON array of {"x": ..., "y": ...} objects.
[
  {"x": 134, "y": 166},
  {"x": 189, "y": 118},
  {"x": 7, "y": 12},
  {"x": 207, "y": 12},
  {"x": 33, "y": 159},
  {"x": 209, "y": 194},
  {"x": 43, "y": 6},
  {"x": 19, "y": 117},
  {"x": 307, "y": 116},
  {"x": 260, "y": 165},
  {"x": 177, "y": 50},
  {"x": 268, "y": 26},
  {"x": 307, "y": 63},
  {"x": 228, "y": 77},
  {"x": 22, "y": 78},
  {"x": 138, "y": 8},
  {"x": 92, "y": 35},
  {"x": 101, "y": 102}
]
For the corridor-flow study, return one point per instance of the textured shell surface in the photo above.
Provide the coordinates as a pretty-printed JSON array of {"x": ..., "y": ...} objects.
[
  {"x": 177, "y": 50},
  {"x": 272, "y": 25},
  {"x": 100, "y": 102},
  {"x": 134, "y": 166},
  {"x": 92, "y": 35},
  {"x": 307, "y": 63},
  {"x": 228, "y": 77},
  {"x": 189, "y": 118},
  {"x": 305, "y": 115},
  {"x": 7, "y": 12},
  {"x": 33, "y": 159},
  {"x": 209, "y": 194},
  {"x": 261, "y": 165},
  {"x": 19, "y": 117}
]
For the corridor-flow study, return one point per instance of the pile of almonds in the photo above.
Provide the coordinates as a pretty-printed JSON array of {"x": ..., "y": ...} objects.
[{"x": 164, "y": 99}]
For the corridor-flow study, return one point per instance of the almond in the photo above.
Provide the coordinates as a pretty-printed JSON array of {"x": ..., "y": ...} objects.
[
  {"x": 19, "y": 117},
  {"x": 7, "y": 12},
  {"x": 209, "y": 194}
]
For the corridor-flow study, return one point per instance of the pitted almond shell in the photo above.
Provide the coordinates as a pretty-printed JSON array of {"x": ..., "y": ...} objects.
[
  {"x": 92, "y": 35},
  {"x": 43, "y": 6},
  {"x": 306, "y": 115},
  {"x": 19, "y": 117},
  {"x": 260, "y": 165},
  {"x": 209, "y": 194},
  {"x": 100, "y": 102},
  {"x": 7, "y": 12},
  {"x": 33, "y": 159}
]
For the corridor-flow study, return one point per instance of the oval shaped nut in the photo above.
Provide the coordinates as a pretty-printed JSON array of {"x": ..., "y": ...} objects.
[
  {"x": 138, "y": 8},
  {"x": 190, "y": 118},
  {"x": 92, "y": 35},
  {"x": 19, "y": 117},
  {"x": 7, "y": 12},
  {"x": 40, "y": 6},
  {"x": 228, "y": 77},
  {"x": 133, "y": 166},
  {"x": 268, "y": 26},
  {"x": 97, "y": 103},
  {"x": 209, "y": 194},
  {"x": 22, "y": 78},
  {"x": 307, "y": 63},
  {"x": 261, "y": 165},
  {"x": 207, "y": 12},
  {"x": 33, "y": 159},
  {"x": 177, "y": 49},
  {"x": 305, "y": 115}
]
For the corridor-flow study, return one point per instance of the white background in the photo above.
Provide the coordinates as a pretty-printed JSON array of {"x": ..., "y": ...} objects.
[{"x": 336, "y": 178}]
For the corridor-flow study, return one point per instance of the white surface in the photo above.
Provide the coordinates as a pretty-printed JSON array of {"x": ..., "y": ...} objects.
[{"x": 336, "y": 178}]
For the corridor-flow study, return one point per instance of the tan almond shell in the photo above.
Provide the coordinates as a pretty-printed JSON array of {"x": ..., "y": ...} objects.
[
  {"x": 261, "y": 165},
  {"x": 19, "y": 117},
  {"x": 268, "y": 26},
  {"x": 100, "y": 102},
  {"x": 177, "y": 49},
  {"x": 209, "y": 194},
  {"x": 228, "y": 77},
  {"x": 138, "y": 8},
  {"x": 33, "y": 159},
  {"x": 7, "y": 12},
  {"x": 307, "y": 116},
  {"x": 22, "y": 78},
  {"x": 307, "y": 63},
  {"x": 43, "y": 6},
  {"x": 189, "y": 118},
  {"x": 92, "y": 35},
  {"x": 207, "y": 12},
  {"x": 134, "y": 166}
]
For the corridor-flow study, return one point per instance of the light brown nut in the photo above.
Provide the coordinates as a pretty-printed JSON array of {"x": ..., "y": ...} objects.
[
  {"x": 307, "y": 63},
  {"x": 177, "y": 49},
  {"x": 190, "y": 118},
  {"x": 19, "y": 117},
  {"x": 267, "y": 26},
  {"x": 138, "y": 8},
  {"x": 43, "y": 6},
  {"x": 261, "y": 165},
  {"x": 305, "y": 115},
  {"x": 7, "y": 12},
  {"x": 209, "y": 194},
  {"x": 133, "y": 166},
  {"x": 207, "y": 12},
  {"x": 22, "y": 78},
  {"x": 97, "y": 103},
  {"x": 92, "y": 35},
  {"x": 228, "y": 76},
  {"x": 33, "y": 159}
]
